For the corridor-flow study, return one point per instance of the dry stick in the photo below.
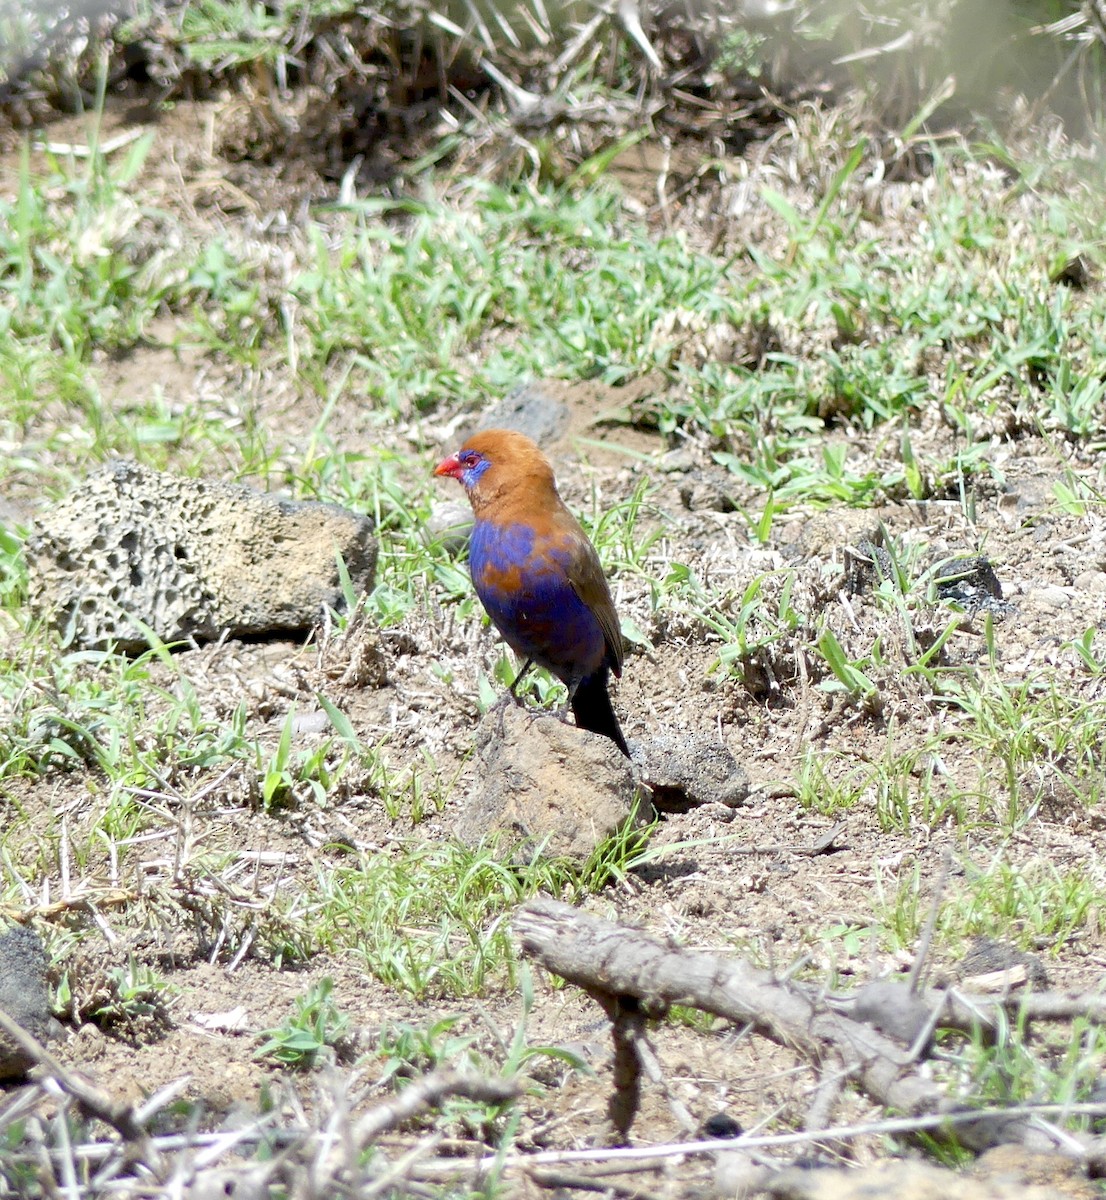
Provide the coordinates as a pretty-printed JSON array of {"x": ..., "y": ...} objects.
[
  {"x": 82, "y": 901},
  {"x": 826, "y": 1095},
  {"x": 652, "y": 1067},
  {"x": 970, "y": 1012},
  {"x": 570, "y": 1181},
  {"x": 627, "y": 1025},
  {"x": 1055, "y": 1006},
  {"x": 91, "y": 1100},
  {"x": 429, "y": 1092},
  {"x": 825, "y": 843},
  {"x": 398, "y": 1170},
  {"x": 915, "y": 978},
  {"x": 601, "y": 1160},
  {"x": 601, "y": 956},
  {"x": 622, "y": 1158}
]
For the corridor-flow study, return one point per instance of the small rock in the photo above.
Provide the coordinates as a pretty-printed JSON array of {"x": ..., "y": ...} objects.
[
  {"x": 912, "y": 1180},
  {"x": 738, "y": 1175},
  {"x": 711, "y": 492},
  {"x": 975, "y": 573},
  {"x": 866, "y": 566},
  {"x": 675, "y": 462},
  {"x": 232, "y": 1183},
  {"x": 1075, "y": 272},
  {"x": 534, "y": 409},
  {"x": 23, "y": 995},
  {"x": 998, "y": 966},
  {"x": 1055, "y": 597},
  {"x": 891, "y": 1007},
  {"x": 972, "y": 583},
  {"x": 721, "y": 1125},
  {"x": 545, "y": 783},
  {"x": 449, "y": 523},
  {"x": 316, "y": 721},
  {"x": 1093, "y": 582},
  {"x": 189, "y": 558},
  {"x": 1017, "y": 1167},
  {"x": 687, "y": 770}
]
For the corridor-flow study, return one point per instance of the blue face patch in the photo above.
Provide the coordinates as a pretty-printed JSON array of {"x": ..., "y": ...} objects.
[{"x": 474, "y": 464}]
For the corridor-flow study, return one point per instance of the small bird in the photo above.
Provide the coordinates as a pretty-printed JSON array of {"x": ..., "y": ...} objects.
[{"x": 537, "y": 574}]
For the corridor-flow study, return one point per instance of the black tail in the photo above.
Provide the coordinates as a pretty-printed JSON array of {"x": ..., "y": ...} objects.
[{"x": 591, "y": 706}]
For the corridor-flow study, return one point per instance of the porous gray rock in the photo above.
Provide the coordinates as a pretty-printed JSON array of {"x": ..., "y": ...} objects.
[
  {"x": 23, "y": 996},
  {"x": 189, "y": 558},
  {"x": 687, "y": 770},
  {"x": 543, "y": 783}
]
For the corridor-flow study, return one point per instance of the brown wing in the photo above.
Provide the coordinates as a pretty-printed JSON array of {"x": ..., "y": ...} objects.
[{"x": 585, "y": 574}]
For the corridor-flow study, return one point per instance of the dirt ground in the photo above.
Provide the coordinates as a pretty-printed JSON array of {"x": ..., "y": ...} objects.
[{"x": 732, "y": 881}]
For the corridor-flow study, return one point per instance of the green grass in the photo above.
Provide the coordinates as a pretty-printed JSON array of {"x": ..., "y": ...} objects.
[
  {"x": 425, "y": 307},
  {"x": 432, "y": 921},
  {"x": 315, "y": 1024},
  {"x": 1033, "y": 750},
  {"x": 390, "y": 302}
]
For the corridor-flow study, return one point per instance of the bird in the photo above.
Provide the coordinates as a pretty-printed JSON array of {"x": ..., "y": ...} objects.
[{"x": 537, "y": 575}]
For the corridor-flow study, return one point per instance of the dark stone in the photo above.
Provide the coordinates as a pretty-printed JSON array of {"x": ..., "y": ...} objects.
[
  {"x": 533, "y": 409},
  {"x": 24, "y": 996},
  {"x": 687, "y": 770}
]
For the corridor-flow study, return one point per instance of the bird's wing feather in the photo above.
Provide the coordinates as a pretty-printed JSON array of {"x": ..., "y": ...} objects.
[{"x": 585, "y": 575}]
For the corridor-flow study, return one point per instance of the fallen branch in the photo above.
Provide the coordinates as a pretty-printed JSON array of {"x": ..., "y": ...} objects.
[
  {"x": 610, "y": 1159},
  {"x": 635, "y": 971},
  {"x": 619, "y": 1158}
]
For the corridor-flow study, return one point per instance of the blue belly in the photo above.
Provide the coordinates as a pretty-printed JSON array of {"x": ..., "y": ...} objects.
[{"x": 522, "y": 580}]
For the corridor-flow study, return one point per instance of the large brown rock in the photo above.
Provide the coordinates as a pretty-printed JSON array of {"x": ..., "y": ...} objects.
[
  {"x": 546, "y": 784},
  {"x": 189, "y": 558}
]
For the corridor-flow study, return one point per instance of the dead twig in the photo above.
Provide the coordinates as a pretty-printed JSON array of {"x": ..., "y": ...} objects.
[
  {"x": 825, "y": 843},
  {"x": 625, "y": 965},
  {"x": 915, "y": 978},
  {"x": 648, "y": 1157},
  {"x": 627, "y": 1028},
  {"x": 90, "y": 1099},
  {"x": 570, "y": 1181},
  {"x": 429, "y": 1092}
]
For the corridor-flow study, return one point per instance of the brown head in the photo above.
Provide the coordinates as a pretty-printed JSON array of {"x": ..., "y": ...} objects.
[{"x": 500, "y": 467}]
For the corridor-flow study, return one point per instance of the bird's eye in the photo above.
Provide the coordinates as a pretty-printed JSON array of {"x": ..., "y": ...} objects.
[{"x": 470, "y": 458}]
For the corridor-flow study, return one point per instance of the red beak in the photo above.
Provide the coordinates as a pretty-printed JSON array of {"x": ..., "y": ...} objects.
[{"x": 449, "y": 466}]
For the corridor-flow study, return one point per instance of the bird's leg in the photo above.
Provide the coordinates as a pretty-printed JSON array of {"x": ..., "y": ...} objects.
[
  {"x": 564, "y": 709},
  {"x": 513, "y": 689},
  {"x": 511, "y": 694}
]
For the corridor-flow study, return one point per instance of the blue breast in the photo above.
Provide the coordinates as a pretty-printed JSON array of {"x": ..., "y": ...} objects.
[{"x": 522, "y": 580}]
